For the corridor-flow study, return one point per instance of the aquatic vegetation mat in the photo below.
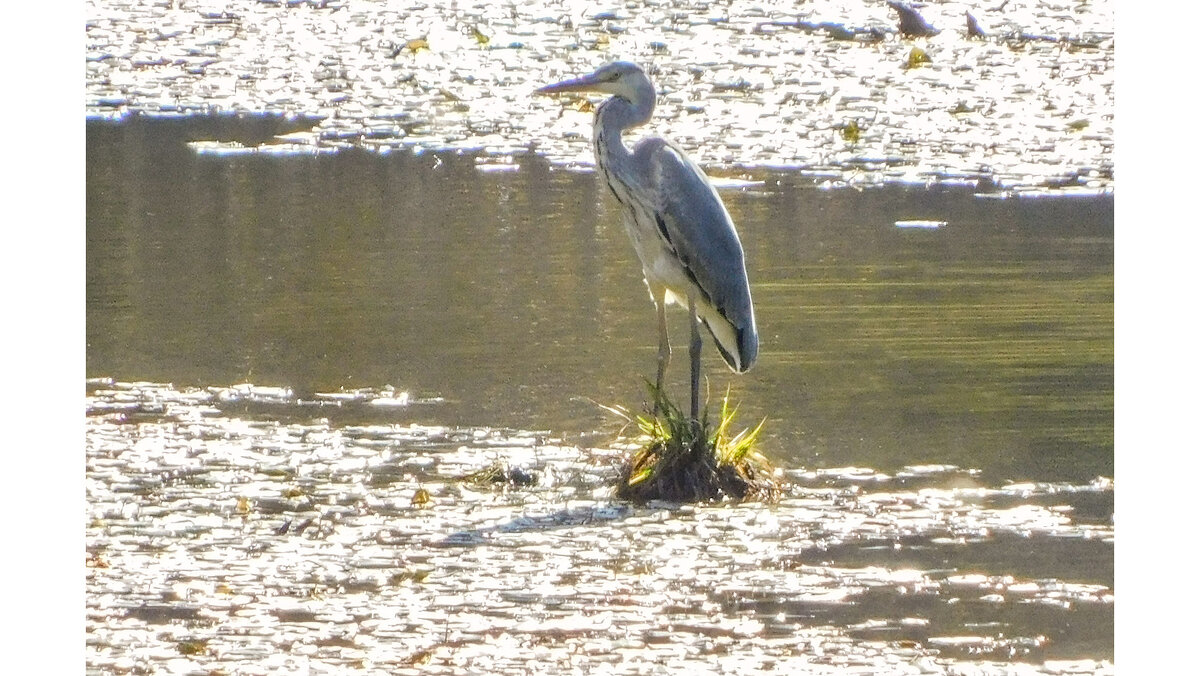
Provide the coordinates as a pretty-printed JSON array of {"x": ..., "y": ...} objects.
[
  {"x": 251, "y": 529},
  {"x": 684, "y": 460}
]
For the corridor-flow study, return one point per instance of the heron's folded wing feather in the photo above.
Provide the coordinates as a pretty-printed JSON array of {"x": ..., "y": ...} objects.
[{"x": 700, "y": 231}]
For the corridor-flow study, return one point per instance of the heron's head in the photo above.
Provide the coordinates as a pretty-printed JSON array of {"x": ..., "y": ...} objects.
[{"x": 619, "y": 78}]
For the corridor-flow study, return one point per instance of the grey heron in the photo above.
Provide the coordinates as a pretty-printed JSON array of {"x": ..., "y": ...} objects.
[{"x": 684, "y": 237}]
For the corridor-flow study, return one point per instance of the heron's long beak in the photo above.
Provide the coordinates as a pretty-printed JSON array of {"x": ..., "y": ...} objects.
[{"x": 587, "y": 83}]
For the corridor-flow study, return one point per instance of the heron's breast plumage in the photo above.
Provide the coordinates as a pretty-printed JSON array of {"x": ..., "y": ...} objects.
[{"x": 658, "y": 258}]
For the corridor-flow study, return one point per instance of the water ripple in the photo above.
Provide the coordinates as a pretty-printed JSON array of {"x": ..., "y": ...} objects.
[
  {"x": 834, "y": 92},
  {"x": 256, "y": 540}
]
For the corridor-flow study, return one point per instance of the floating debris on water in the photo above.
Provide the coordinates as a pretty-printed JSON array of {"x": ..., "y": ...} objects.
[
  {"x": 256, "y": 393},
  {"x": 928, "y": 225},
  {"x": 390, "y": 397},
  {"x": 491, "y": 167},
  {"x": 973, "y": 28},
  {"x": 912, "y": 24},
  {"x": 500, "y": 473}
]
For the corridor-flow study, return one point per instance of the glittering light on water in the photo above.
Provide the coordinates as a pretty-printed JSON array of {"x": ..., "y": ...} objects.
[{"x": 260, "y": 531}]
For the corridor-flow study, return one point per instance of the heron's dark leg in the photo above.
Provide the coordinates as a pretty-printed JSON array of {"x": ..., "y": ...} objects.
[
  {"x": 695, "y": 355},
  {"x": 664, "y": 346}
]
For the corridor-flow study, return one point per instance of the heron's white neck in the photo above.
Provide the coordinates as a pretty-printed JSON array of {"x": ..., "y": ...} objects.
[{"x": 616, "y": 115}]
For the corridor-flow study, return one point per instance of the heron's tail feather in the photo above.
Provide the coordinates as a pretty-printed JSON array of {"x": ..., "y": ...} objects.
[{"x": 738, "y": 345}]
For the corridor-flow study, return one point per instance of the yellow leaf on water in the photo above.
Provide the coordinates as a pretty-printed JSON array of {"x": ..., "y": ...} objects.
[
  {"x": 917, "y": 57},
  {"x": 417, "y": 45},
  {"x": 193, "y": 647},
  {"x": 421, "y": 498},
  {"x": 417, "y": 576},
  {"x": 850, "y": 131},
  {"x": 422, "y": 657},
  {"x": 479, "y": 36}
]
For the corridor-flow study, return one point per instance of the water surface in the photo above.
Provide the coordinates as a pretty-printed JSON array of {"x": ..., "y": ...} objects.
[
  {"x": 297, "y": 362},
  {"x": 742, "y": 85},
  {"x": 515, "y": 299},
  {"x": 307, "y": 332}
]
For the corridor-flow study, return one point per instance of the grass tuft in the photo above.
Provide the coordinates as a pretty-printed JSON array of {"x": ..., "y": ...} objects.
[{"x": 683, "y": 461}]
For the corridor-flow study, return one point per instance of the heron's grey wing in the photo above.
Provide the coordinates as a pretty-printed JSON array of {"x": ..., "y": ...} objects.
[{"x": 695, "y": 223}]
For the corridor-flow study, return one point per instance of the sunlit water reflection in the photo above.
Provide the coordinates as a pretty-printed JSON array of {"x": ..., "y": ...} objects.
[
  {"x": 221, "y": 535},
  {"x": 742, "y": 84},
  {"x": 939, "y": 400}
]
